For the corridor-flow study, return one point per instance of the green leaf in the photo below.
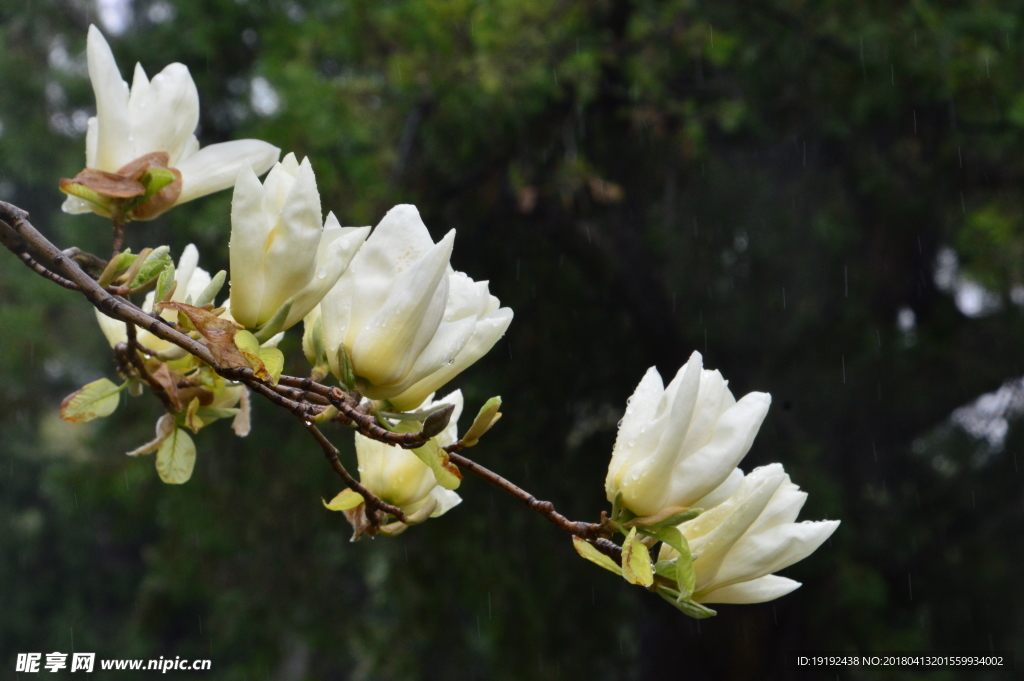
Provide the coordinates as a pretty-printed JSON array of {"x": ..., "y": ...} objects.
[
  {"x": 684, "y": 574},
  {"x": 636, "y": 561},
  {"x": 274, "y": 325},
  {"x": 116, "y": 266},
  {"x": 345, "y": 500},
  {"x": 688, "y": 607},
  {"x": 447, "y": 473},
  {"x": 346, "y": 373},
  {"x": 485, "y": 419},
  {"x": 99, "y": 398},
  {"x": 158, "y": 261},
  {"x": 667, "y": 517},
  {"x": 247, "y": 342},
  {"x": 155, "y": 179},
  {"x": 319, "y": 351},
  {"x": 176, "y": 458},
  {"x": 273, "y": 360},
  {"x": 590, "y": 552},
  {"x": 210, "y": 414},
  {"x": 164, "y": 283},
  {"x": 212, "y": 289}
]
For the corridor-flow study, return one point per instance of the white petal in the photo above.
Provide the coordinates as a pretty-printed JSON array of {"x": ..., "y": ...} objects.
[
  {"x": 487, "y": 331},
  {"x": 784, "y": 507},
  {"x": 216, "y": 167},
  {"x": 250, "y": 228},
  {"x": 650, "y": 486},
  {"x": 449, "y": 339},
  {"x": 761, "y": 553},
  {"x": 722, "y": 492},
  {"x": 466, "y": 298},
  {"x": 766, "y": 588},
  {"x": 640, "y": 410},
  {"x": 331, "y": 262},
  {"x": 75, "y": 206},
  {"x": 290, "y": 260},
  {"x": 713, "y": 547},
  {"x": 116, "y": 331},
  {"x": 446, "y": 500},
  {"x": 394, "y": 474},
  {"x": 396, "y": 244},
  {"x": 707, "y": 468},
  {"x": 91, "y": 136},
  {"x": 391, "y": 341},
  {"x": 187, "y": 264},
  {"x": 113, "y": 137},
  {"x": 165, "y": 112}
]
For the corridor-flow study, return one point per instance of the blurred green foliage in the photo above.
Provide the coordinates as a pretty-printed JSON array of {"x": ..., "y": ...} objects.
[{"x": 771, "y": 182}]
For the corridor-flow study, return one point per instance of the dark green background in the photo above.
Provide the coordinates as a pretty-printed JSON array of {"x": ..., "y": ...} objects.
[{"x": 769, "y": 182}]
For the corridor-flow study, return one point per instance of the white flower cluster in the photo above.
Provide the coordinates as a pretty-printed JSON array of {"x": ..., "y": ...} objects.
[{"x": 385, "y": 312}]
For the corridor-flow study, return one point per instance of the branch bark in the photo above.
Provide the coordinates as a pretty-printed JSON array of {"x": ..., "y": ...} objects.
[{"x": 303, "y": 397}]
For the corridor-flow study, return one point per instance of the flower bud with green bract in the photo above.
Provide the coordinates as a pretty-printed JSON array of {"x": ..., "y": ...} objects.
[
  {"x": 191, "y": 280},
  {"x": 749, "y": 534},
  {"x": 282, "y": 254},
  {"x": 408, "y": 322},
  {"x": 678, "y": 443},
  {"x": 400, "y": 477},
  {"x": 141, "y": 155}
]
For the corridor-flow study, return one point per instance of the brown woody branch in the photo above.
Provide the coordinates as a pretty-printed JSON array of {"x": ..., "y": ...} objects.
[{"x": 303, "y": 397}]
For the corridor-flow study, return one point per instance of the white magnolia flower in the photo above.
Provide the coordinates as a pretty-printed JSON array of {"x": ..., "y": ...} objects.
[
  {"x": 281, "y": 252},
  {"x": 679, "y": 443},
  {"x": 192, "y": 281},
  {"x": 399, "y": 477},
  {"x": 409, "y": 323},
  {"x": 751, "y": 534},
  {"x": 152, "y": 125}
]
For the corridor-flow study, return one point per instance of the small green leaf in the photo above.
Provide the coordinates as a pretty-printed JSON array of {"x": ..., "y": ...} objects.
[
  {"x": 164, "y": 283},
  {"x": 176, "y": 458},
  {"x": 411, "y": 415},
  {"x": 274, "y": 325},
  {"x": 447, "y": 473},
  {"x": 684, "y": 574},
  {"x": 347, "y": 375},
  {"x": 155, "y": 179},
  {"x": 212, "y": 289},
  {"x": 130, "y": 273},
  {"x": 210, "y": 414},
  {"x": 345, "y": 500},
  {"x": 590, "y": 552},
  {"x": 636, "y": 561},
  {"x": 667, "y": 517},
  {"x": 688, "y": 607},
  {"x": 485, "y": 419},
  {"x": 247, "y": 342},
  {"x": 97, "y": 399},
  {"x": 319, "y": 351},
  {"x": 116, "y": 266},
  {"x": 273, "y": 360},
  {"x": 158, "y": 261}
]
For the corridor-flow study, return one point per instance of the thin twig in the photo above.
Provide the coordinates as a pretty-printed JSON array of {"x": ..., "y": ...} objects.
[
  {"x": 303, "y": 397},
  {"x": 373, "y": 502}
]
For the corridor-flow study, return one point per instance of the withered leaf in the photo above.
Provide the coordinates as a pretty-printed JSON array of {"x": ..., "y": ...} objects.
[
  {"x": 213, "y": 328},
  {"x": 107, "y": 184}
]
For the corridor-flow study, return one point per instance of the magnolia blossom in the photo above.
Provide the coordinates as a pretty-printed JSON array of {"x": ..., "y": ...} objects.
[
  {"x": 281, "y": 252},
  {"x": 399, "y": 477},
  {"x": 152, "y": 125},
  {"x": 407, "y": 321},
  {"x": 192, "y": 281},
  {"x": 679, "y": 443},
  {"x": 749, "y": 535}
]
